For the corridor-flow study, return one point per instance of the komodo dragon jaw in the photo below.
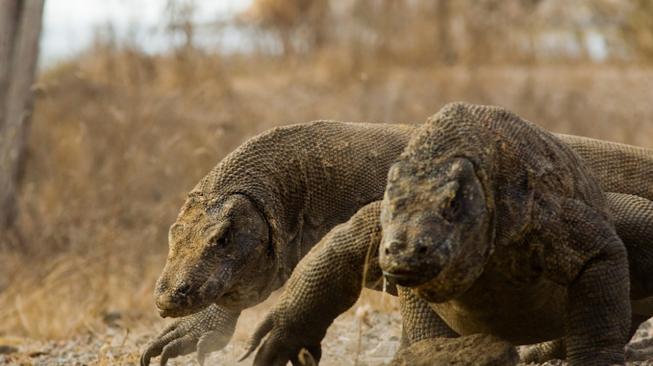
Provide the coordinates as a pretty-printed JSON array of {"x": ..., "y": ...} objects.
[
  {"x": 435, "y": 228},
  {"x": 219, "y": 253},
  {"x": 186, "y": 299}
]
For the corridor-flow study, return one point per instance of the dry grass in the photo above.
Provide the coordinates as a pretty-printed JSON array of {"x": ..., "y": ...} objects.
[{"x": 119, "y": 137}]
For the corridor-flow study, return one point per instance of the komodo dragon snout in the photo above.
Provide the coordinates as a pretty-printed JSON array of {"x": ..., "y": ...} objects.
[
  {"x": 435, "y": 228},
  {"x": 219, "y": 253}
]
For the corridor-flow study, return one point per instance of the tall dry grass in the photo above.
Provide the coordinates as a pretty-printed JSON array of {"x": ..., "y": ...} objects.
[{"x": 119, "y": 137}]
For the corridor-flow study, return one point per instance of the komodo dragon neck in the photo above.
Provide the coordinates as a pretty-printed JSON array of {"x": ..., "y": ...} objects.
[{"x": 306, "y": 179}]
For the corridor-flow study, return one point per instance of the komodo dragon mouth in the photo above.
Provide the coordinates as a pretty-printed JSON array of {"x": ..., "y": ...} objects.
[
  {"x": 187, "y": 300},
  {"x": 227, "y": 286},
  {"x": 211, "y": 291}
]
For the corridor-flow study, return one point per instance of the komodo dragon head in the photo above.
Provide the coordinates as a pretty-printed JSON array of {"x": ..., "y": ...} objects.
[
  {"x": 219, "y": 253},
  {"x": 437, "y": 213}
]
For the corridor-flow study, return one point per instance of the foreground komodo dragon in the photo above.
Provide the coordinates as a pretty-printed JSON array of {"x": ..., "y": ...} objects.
[
  {"x": 497, "y": 224},
  {"x": 246, "y": 224}
]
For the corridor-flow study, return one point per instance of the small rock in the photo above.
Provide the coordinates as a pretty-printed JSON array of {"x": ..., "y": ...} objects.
[
  {"x": 477, "y": 350},
  {"x": 5, "y": 350},
  {"x": 640, "y": 351},
  {"x": 38, "y": 353},
  {"x": 112, "y": 319}
]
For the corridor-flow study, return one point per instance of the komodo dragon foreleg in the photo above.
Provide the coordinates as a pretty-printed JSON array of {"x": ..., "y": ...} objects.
[
  {"x": 598, "y": 311},
  {"x": 203, "y": 332},
  {"x": 633, "y": 219},
  {"x": 329, "y": 279},
  {"x": 325, "y": 283},
  {"x": 633, "y": 216}
]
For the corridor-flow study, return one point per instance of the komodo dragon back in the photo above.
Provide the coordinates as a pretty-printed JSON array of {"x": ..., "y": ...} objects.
[{"x": 618, "y": 167}]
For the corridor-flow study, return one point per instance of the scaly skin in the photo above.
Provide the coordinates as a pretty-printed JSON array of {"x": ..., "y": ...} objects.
[
  {"x": 282, "y": 182},
  {"x": 320, "y": 282}
]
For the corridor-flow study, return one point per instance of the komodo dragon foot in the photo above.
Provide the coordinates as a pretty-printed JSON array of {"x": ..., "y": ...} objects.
[{"x": 206, "y": 331}]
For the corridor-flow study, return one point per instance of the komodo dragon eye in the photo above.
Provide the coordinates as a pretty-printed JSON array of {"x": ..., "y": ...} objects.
[
  {"x": 453, "y": 209},
  {"x": 220, "y": 240}
]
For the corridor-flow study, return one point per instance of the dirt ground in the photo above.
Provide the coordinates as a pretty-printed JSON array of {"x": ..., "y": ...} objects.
[{"x": 367, "y": 335}]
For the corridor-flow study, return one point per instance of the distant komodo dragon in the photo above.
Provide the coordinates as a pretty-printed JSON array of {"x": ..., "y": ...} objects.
[
  {"x": 246, "y": 224},
  {"x": 500, "y": 228}
]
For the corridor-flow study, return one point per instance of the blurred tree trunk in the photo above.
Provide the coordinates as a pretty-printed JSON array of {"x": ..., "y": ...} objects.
[{"x": 20, "y": 27}]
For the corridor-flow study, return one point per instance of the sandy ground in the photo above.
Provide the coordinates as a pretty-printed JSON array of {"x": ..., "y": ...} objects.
[
  {"x": 353, "y": 340},
  {"x": 364, "y": 336}
]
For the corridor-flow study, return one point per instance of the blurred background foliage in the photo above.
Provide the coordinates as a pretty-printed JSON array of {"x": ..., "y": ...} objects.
[{"x": 120, "y": 133}]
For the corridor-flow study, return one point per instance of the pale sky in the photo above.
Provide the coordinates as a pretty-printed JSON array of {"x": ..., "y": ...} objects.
[{"x": 68, "y": 25}]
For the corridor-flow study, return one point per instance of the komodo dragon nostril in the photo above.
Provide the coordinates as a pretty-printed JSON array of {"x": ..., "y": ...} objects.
[
  {"x": 395, "y": 247},
  {"x": 183, "y": 290}
]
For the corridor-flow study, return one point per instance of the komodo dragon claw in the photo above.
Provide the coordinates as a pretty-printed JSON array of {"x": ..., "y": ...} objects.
[
  {"x": 206, "y": 331},
  {"x": 279, "y": 348},
  {"x": 263, "y": 329}
]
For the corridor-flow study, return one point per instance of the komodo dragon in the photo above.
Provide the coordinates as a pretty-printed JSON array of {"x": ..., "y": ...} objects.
[
  {"x": 246, "y": 224},
  {"x": 497, "y": 224}
]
